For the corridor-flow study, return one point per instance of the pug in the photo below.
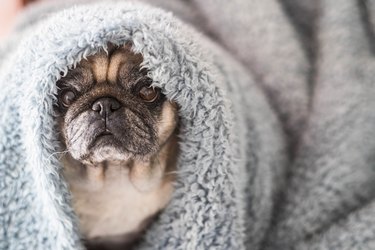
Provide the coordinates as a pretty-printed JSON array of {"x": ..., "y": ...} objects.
[{"x": 119, "y": 135}]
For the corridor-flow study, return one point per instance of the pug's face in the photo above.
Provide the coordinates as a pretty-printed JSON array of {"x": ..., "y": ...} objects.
[{"x": 109, "y": 111}]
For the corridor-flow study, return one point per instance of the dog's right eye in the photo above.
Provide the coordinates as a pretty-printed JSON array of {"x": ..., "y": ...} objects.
[
  {"x": 67, "y": 98},
  {"x": 149, "y": 94}
]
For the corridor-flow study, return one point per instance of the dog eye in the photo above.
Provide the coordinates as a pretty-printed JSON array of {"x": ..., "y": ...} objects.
[
  {"x": 149, "y": 94},
  {"x": 67, "y": 98}
]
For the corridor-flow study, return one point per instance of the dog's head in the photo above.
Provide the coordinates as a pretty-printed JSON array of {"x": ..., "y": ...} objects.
[{"x": 109, "y": 111}]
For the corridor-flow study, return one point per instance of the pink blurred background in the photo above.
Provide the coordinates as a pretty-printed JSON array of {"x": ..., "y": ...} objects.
[{"x": 8, "y": 12}]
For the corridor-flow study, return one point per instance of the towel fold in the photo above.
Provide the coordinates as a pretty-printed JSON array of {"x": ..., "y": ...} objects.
[{"x": 276, "y": 102}]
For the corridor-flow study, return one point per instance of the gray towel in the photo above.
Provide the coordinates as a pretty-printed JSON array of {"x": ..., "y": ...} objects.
[
  {"x": 333, "y": 175},
  {"x": 276, "y": 98},
  {"x": 228, "y": 131}
]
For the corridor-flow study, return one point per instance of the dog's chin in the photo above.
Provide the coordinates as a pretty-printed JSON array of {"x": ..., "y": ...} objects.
[
  {"x": 106, "y": 150},
  {"x": 103, "y": 153}
]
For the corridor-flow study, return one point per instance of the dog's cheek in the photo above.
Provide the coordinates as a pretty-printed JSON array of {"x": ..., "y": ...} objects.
[
  {"x": 60, "y": 130},
  {"x": 167, "y": 121},
  {"x": 79, "y": 133},
  {"x": 135, "y": 132}
]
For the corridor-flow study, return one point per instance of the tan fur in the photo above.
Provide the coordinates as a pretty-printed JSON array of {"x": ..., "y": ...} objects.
[
  {"x": 100, "y": 66},
  {"x": 114, "y": 200},
  {"x": 108, "y": 204},
  {"x": 119, "y": 61}
]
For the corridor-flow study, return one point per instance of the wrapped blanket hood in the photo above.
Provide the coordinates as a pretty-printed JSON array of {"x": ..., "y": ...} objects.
[{"x": 232, "y": 156}]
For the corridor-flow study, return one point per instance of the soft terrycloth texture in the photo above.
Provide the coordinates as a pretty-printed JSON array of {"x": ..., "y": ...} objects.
[
  {"x": 227, "y": 131},
  {"x": 332, "y": 182},
  {"x": 277, "y": 150}
]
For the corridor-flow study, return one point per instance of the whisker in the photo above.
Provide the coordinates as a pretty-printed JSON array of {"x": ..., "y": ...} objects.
[{"x": 58, "y": 152}]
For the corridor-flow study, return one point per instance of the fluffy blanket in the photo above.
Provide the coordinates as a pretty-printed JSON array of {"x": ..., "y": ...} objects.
[{"x": 277, "y": 113}]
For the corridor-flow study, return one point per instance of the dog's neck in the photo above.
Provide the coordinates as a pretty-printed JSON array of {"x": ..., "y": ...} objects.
[{"x": 114, "y": 199}]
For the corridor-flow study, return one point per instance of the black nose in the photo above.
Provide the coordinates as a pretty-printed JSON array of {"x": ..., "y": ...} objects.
[{"x": 106, "y": 106}]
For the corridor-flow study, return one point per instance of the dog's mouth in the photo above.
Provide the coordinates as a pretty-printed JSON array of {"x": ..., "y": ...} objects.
[
  {"x": 100, "y": 142},
  {"x": 104, "y": 134},
  {"x": 104, "y": 138}
]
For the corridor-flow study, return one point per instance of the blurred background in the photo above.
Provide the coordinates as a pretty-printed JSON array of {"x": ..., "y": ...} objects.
[{"x": 8, "y": 12}]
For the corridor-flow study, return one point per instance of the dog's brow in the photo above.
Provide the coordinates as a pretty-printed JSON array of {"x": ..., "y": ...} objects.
[
  {"x": 118, "y": 59},
  {"x": 99, "y": 64},
  {"x": 131, "y": 74},
  {"x": 78, "y": 78}
]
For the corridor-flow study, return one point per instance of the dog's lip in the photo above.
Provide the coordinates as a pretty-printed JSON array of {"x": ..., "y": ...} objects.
[{"x": 105, "y": 133}]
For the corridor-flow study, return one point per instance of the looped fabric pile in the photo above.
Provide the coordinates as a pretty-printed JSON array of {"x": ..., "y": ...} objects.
[{"x": 277, "y": 108}]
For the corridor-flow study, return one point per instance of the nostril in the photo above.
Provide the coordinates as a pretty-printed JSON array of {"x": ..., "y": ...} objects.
[
  {"x": 115, "y": 105},
  {"x": 97, "y": 106}
]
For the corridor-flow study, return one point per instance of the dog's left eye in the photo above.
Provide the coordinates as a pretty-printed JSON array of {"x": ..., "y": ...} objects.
[
  {"x": 149, "y": 94},
  {"x": 67, "y": 98}
]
